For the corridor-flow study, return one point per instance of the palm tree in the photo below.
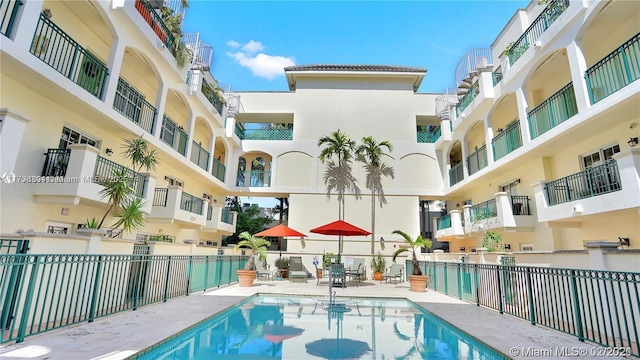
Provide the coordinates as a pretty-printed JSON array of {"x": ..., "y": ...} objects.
[
  {"x": 370, "y": 153},
  {"x": 116, "y": 190},
  {"x": 257, "y": 245},
  {"x": 340, "y": 145},
  {"x": 139, "y": 154},
  {"x": 413, "y": 244}
]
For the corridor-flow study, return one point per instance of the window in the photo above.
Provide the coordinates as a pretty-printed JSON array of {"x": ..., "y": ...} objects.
[
  {"x": 526, "y": 247},
  {"x": 70, "y": 137},
  {"x": 510, "y": 187},
  {"x": 58, "y": 228},
  {"x": 595, "y": 158}
]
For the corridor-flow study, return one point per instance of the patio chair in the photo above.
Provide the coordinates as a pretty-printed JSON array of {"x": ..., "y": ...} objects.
[
  {"x": 296, "y": 268},
  {"x": 262, "y": 272},
  {"x": 337, "y": 275},
  {"x": 395, "y": 273},
  {"x": 358, "y": 271}
]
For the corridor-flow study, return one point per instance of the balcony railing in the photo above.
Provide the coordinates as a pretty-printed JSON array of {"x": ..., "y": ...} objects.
[
  {"x": 507, "y": 141},
  {"x": 8, "y": 11},
  {"x": 617, "y": 70},
  {"x": 254, "y": 178},
  {"x": 226, "y": 216},
  {"x": 218, "y": 169},
  {"x": 497, "y": 77},
  {"x": 484, "y": 210},
  {"x": 477, "y": 160},
  {"x": 594, "y": 181},
  {"x": 191, "y": 203},
  {"x": 456, "y": 174},
  {"x": 130, "y": 103},
  {"x": 520, "y": 205},
  {"x": 266, "y": 132},
  {"x": 537, "y": 28},
  {"x": 200, "y": 156},
  {"x": 209, "y": 92},
  {"x": 56, "y": 162},
  {"x": 106, "y": 169},
  {"x": 239, "y": 130},
  {"x": 151, "y": 16},
  {"x": 467, "y": 98},
  {"x": 553, "y": 111},
  {"x": 173, "y": 135},
  {"x": 58, "y": 50},
  {"x": 160, "y": 197},
  {"x": 444, "y": 222},
  {"x": 429, "y": 135}
]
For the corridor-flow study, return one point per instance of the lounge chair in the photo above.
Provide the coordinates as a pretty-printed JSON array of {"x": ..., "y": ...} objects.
[
  {"x": 296, "y": 268},
  {"x": 262, "y": 272},
  {"x": 395, "y": 273}
]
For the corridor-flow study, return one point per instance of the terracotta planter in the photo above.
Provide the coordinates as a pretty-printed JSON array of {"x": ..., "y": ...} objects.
[
  {"x": 319, "y": 273},
  {"x": 377, "y": 276},
  {"x": 246, "y": 277},
  {"x": 418, "y": 282}
]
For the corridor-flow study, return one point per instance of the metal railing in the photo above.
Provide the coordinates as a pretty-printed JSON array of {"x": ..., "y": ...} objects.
[
  {"x": 8, "y": 11},
  {"x": 132, "y": 104},
  {"x": 456, "y": 174},
  {"x": 430, "y": 135},
  {"x": 547, "y": 17},
  {"x": 56, "y": 162},
  {"x": 154, "y": 20},
  {"x": 444, "y": 222},
  {"x": 58, "y": 50},
  {"x": 160, "y": 197},
  {"x": 497, "y": 77},
  {"x": 553, "y": 111},
  {"x": 105, "y": 171},
  {"x": 593, "y": 305},
  {"x": 254, "y": 178},
  {"x": 209, "y": 92},
  {"x": 615, "y": 71},
  {"x": 484, "y": 210},
  {"x": 191, "y": 203},
  {"x": 202, "y": 53},
  {"x": 264, "y": 131},
  {"x": 49, "y": 291},
  {"x": 239, "y": 130},
  {"x": 520, "y": 205},
  {"x": 200, "y": 156},
  {"x": 467, "y": 98},
  {"x": 470, "y": 62},
  {"x": 226, "y": 216},
  {"x": 173, "y": 135},
  {"x": 593, "y": 181},
  {"x": 507, "y": 141},
  {"x": 218, "y": 169},
  {"x": 477, "y": 160}
]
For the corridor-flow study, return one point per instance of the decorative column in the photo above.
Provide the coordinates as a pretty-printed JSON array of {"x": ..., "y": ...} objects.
[
  {"x": 12, "y": 129},
  {"x": 116, "y": 58},
  {"x": 578, "y": 67},
  {"x": 523, "y": 107},
  {"x": 26, "y": 24},
  {"x": 161, "y": 101}
]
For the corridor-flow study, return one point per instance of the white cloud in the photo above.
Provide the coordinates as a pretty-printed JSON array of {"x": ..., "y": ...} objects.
[
  {"x": 252, "y": 47},
  {"x": 263, "y": 65},
  {"x": 233, "y": 43}
]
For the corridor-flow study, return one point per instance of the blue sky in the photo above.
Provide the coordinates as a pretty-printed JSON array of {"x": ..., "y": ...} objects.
[{"x": 254, "y": 40}]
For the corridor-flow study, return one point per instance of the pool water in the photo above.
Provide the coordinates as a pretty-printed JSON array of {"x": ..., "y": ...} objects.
[{"x": 278, "y": 327}]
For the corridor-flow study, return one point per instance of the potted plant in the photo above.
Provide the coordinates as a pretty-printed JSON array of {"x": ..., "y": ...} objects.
[
  {"x": 283, "y": 267},
  {"x": 378, "y": 264},
  {"x": 417, "y": 281},
  {"x": 258, "y": 247}
]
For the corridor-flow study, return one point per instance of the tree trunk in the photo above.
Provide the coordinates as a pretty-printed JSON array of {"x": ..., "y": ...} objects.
[{"x": 373, "y": 221}]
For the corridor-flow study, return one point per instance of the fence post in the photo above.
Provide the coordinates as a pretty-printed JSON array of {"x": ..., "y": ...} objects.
[
  {"x": 189, "y": 273},
  {"x": 500, "y": 306},
  {"x": 96, "y": 288},
  {"x": 166, "y": 280},
  {"x": 28, "y": 298},
  {"x": 136, "y": 291},
  {"x": 446, "y": 281},
  {"x": 459, "y": 280},
  {"x": 435, "y": 277},
  {"x": 477, "y": 281},
  {"x": 576, "y": 306},
  {"x": 231, "y": 268},
  {"x": 532, "y": 312},
  {"x": 206, "y": 272}
]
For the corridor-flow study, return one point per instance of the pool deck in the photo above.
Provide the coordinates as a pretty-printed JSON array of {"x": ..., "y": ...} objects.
[{"x": 121, "y": 335}]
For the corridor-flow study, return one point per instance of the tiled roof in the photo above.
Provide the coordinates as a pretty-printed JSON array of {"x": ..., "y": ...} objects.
[{"x": 382, "y": 68}]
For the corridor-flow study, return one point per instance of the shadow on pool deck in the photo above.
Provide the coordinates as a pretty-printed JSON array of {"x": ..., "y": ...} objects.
[{"x": 121, "y": 335}]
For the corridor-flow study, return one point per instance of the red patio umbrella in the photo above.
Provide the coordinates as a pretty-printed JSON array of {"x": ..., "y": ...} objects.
[
  {"x": 279, "y": 333},
  {"x": 340, "y": 228},
  {"x": 280, "y": 231}
]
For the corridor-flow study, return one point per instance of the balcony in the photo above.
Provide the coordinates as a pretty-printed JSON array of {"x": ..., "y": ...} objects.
[
  {"x": 220, "y": 220},
  {"x": 153, "y": 18},
  {"x": 552, "y": 112},
  {"x": 504, "y": 211},
  {"x": 218, "y": 170},
  {"x": 449, "y": 226},
  {"x": 172, "y": 204},
  {"x": 75, "y": 175},
  {"x": 132, "y": 105},
  {"x": 497, "y": 77},
  {"x": 615, "y": 71},
  {"x": 58, "y": 50},
  {"x": 254, "y": 178},
  {"x": 8, "y": 11},
  {"x": 264, "y": 131},
  {"x": 467, "y": 98},
  {"x": 507, "y": 141},
  {"x": 456, "y": 174},
  {"x": 608, "y": 187},
  {"x": 537, "y": 28},
  {"x": 199, "y": 156},
  {"x": 213, "y": 96},
  {"x": 428, "y": 134},
  {"x": 477, "y": 160},
  {"x": 173, "y": 135}
]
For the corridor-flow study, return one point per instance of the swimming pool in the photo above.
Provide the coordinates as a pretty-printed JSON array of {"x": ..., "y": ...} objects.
[{"x": 285, "y": 327}]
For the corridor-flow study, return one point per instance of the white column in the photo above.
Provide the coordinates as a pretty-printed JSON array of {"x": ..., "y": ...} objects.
[
  {"x": 466, "y": 211},
  {"x": 12, "y": 129},
  {"x": 456, "y": 222},
  {"x": 523, "y": 107},
  {"x": 578, "y": 67},
  {"x": 149, "y": 192},
  {"x": 488, "y": 137},
  {"x": 26, "y": 24},
  {"x": 504, "y": 210},
  {"x": 191, "y": 129},
  {"x": 212, "y": 148},
  {"x": 161, "y": 101},
  {"x": 463, "y": 148},
  {"x": 116, "y": 56}
]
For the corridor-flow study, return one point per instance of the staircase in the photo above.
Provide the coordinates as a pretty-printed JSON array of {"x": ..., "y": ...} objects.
[{"x": 469, "y": 67}]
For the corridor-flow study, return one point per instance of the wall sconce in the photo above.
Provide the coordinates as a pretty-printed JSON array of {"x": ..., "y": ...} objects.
[
  {"x": 381, "y": 243},
  {"x": 624, "y": 241},
  {"x": 109, "y": 151},
  {"x": 633, "y": 141}
]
